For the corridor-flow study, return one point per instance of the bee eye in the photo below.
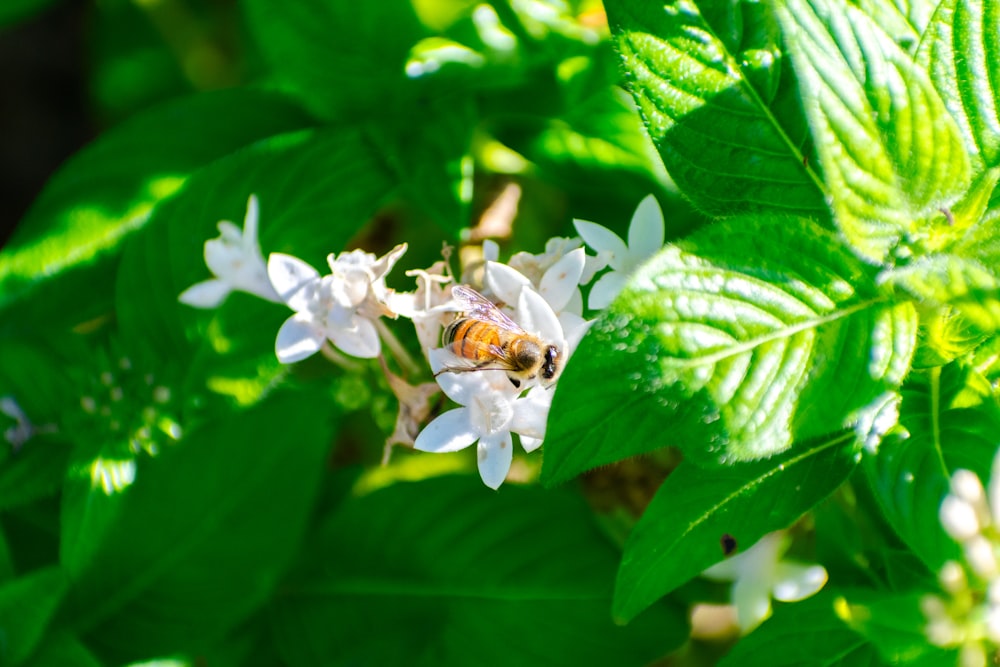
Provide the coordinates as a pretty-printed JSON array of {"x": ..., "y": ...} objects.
[{"x": 549, "y": 368}]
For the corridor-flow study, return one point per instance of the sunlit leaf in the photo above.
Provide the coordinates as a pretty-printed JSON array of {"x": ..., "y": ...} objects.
[
  {"x": 741, "y": 339},
  {"x": 960, "y": 52},
  {"x": 892, "y": 156},
  {"x": 723, "y": 141}
]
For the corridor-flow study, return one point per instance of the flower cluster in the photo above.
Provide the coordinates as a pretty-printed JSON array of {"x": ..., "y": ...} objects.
[
  {"x": 343, "y": 310},
  {"x": 968, "y": 616}
]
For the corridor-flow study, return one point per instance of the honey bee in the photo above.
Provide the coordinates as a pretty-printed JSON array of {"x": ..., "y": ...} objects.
[{"x": 486, "y": 339}]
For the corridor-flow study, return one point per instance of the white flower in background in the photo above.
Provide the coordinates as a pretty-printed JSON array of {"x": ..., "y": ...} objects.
[
  {"x": 491, "y": 411},
  {"x": 236, "y": 262},
  {"x": 340, "y": 307},
  {"x": 22, "y": 430},
  {"x": 645, "y": 238},
  {"x": 759, "y": 573},
  {"x": 969, "y": 617}
]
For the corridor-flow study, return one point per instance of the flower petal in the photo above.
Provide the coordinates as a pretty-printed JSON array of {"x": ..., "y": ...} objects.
[
  {"x": 794, "y": 581},
  {"x": 206, "y": 294},
  {"x": 753, "y": 602},
  {"x": 602, "y": 239},
  {"x": 448, "y": 432},
  {"x": 288, "y": 275},
  {"x": 496, "y": 452},
  {"x": 606, "y": 289},
  {"x": 559, "y": 282},
  {"x": 574, "y": 327},
  {"x": 250, "y": 224},
  {"x": 359, "y": 339},
  {"x": 299, "y": 337},
  {"x": 531, "y": 414},
  {"x": 536, "y": 316},
  {"x": 505, "y": 283},
  {"x": 491, "y": 250},
  {"x": 530, "y": 444},
  {"x": 645, "y": 233}
]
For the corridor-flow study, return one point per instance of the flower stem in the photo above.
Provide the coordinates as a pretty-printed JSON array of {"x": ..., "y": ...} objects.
[
  {"x": 403, "y": 358},
  {"x": 339, "y": 359}
]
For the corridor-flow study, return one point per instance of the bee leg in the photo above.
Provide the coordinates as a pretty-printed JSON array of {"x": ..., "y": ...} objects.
[{"x": 515, "y": 382}]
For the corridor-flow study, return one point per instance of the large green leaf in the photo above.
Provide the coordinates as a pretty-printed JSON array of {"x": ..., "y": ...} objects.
[
  {"x": 678, "y": 535},
  {"x": 948, "y": 428},
  {"x": 343, "y": 59},
  {"x": 960, "y": 52},
  {"x": 56, "y": 264},
  {"x": 892, "y": 156},
  {"x": 742, "y": 339},
  {"x": 201, "y": 531},
  {"x": 61, "y": 650},
  {"x": 27, "y": 605},
  {"x": 710, "y": 100},
  {"x": 443, "y": 572},
  {"x": 431, "y": 158}
]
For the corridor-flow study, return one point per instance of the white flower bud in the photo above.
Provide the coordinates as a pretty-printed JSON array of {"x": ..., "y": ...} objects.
[
  {"x": 965, "y": 485},
  {"x": 979, "y": 554},
  {"x": 972, "y": 655},
  {"x": 952, "y": 577},
  {"x": 958, "y": 518}
]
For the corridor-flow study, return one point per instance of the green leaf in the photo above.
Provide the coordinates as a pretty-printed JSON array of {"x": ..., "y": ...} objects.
[
  {"x": 200, "y": 531},
  {"x": 951, "y": 424},
  {"x": 891, "y": 154},
  {"x": 678, "y": 535},
  {"x": 61, "y": 650},
  {"x": 727, "y": 145},
  {"x": 56, "y": 265},
  {"x": 960, "y": 52},
  {"x": 469, "y": 575},
  {"x": 742, "y": 339},
  {"x": 943, "y": 279},
  {"x": 804, "y": 633},
  {"x": 27, "y": 604},
  {"x": 343, "y": 59},
  {"x": 431, "y": 158}
]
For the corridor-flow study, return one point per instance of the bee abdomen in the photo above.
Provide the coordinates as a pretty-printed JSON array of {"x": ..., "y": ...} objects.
[{"x": 471, "y": 339}]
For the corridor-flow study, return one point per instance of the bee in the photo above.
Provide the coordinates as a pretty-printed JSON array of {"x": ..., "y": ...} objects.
[{"x": 486, "y": 339}]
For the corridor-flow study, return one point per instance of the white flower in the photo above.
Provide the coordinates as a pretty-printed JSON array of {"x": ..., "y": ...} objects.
[
  {"x": 22, "y": 430},
  {"x": 645, "y": 238},
  {"x": 491, "y": 411},
  {"x": 759, "y": 573},
  {"x": 340, "y": 307},
  {"x": 236, "y": 262},
  {"x": 492, "y": 408}
]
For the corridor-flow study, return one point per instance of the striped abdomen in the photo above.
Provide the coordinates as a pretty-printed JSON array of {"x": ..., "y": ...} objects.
[{"x": 471, "y": 339}]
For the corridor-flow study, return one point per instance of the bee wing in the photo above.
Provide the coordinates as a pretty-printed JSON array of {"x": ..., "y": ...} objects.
[{"x": 479, "y": 307}]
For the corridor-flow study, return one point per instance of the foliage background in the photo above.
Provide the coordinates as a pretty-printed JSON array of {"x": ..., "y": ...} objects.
[{"x": 815, "y": 349}]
